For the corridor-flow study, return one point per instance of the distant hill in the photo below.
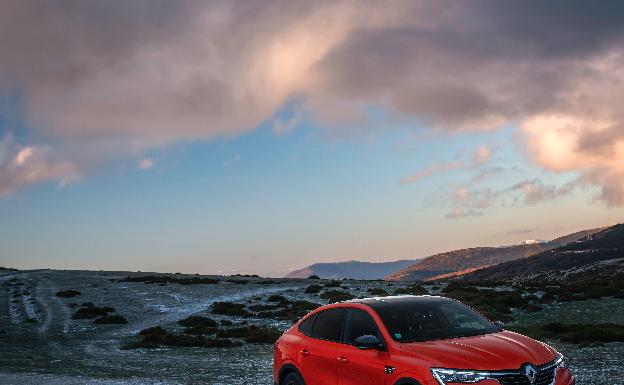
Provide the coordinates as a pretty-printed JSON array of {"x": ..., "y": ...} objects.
[
  {"x": 596, "y": 253},
  {"x": 351, "y": 269},
  {"x": 459, "y": 262}
]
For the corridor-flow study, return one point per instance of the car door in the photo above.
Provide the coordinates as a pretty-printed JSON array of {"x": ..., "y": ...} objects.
[
  {"x": 356, "y": 366},
  {"x": 318, "y": 355}
]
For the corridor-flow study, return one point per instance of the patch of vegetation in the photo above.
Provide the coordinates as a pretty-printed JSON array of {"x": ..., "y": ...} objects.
[
  {"x": 7, "y": 269},
  {"x": 411, "y": 290},
  {"x": 377, "y": 292},
  {"x": 195, "y": 321},
  {"x": 575, "y": 333},
  {"x": 230, "y": 308},
  {"x": 333, "y": 283},
  {"x": 164, "y": 279},
  {"x": 111, "y": 319},
  {"x": 266, "y": 307},
  {"x": 591, "y": 289},
  {"x": 237, "y": 281},
  {"x": 91, "y": 312},
  {"x": 495, "y": 305},
  {"x": 313, "y": 289},
  {"x": 337, "y": 296},
  {"x": 153, "y": 330},
  {"x": 252, "y": 334},
  {"x": 277, "y": 298},
  {"x": 156, "y": 336},
  {"x": 68, "y": 293}
]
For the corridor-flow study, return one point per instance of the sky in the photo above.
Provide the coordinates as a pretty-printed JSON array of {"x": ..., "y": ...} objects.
[{"x": 259, "y": 137}]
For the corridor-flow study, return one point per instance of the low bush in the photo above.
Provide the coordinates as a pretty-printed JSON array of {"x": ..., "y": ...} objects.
[
  {"x": 195, "y": 321},
  {"x": 230, "y": 308},
  {"x": 411, "y": 290},
  {"x": 575, "y": 333},
  {"x": 163, "y": 279},
  {"x": 91, "y": 312},
  {"x": 377, "y": 292},
  {"x": 337, "y": 296},
  {"x": 68, "y": 293},
  {"x": 313, "y": 289}
]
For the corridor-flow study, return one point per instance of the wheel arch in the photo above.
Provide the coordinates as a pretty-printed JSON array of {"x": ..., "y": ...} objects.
[
  {"x": 407, "y": 381},
  {"x": 286, "y": 369}
]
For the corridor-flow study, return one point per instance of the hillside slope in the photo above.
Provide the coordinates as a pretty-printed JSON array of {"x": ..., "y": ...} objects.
[
  {"x": 591, "y": 250},
  {"x": 466, "y": 260},
  {"x": 351, "y": 269}
]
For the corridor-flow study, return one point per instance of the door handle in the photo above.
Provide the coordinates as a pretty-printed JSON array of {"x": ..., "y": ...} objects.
[
  {"x": 305, "y": 353},
  {"x": 343, "y": 359}
]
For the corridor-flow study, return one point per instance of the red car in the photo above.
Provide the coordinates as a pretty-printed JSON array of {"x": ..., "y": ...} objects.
[{"x": 410, "y": 340}]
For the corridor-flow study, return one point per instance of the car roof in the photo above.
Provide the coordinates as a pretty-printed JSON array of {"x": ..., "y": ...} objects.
[{"x": 398, "y": 300}]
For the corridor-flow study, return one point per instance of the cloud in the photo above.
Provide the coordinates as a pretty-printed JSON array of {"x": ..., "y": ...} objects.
[
  {"x": 461, "y": 213},
  {"x": 481, "y": 156},
  {"x": 592, "y": 145},
  {"x": 106, "y": 79},
  {"x": 535, "y": 191},
  {"x": 24, "y": 165},
  {"x": 145, "y": 163},
  {"x": 433, "y": 169}
]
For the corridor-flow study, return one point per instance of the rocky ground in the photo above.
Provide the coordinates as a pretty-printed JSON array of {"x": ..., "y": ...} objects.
[{"x": 71, "y": 327}]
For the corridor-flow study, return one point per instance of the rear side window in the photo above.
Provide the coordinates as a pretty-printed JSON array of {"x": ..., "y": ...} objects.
[
  {"x": 360, "y": 324},
  {"x": 305, "y": 326},
  {"x": 328, "y": 324}
]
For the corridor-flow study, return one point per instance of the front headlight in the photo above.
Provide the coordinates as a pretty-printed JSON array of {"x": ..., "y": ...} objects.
[
  {"x": 445, "y": 376},
  {"x": 561, "y": 362}
]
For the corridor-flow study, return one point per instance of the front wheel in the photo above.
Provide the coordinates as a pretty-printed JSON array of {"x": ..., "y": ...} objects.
[{"x": 292, "y": 379}]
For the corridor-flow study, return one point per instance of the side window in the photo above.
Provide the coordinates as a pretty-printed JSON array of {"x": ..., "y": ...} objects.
[
  {"x": 305, "y": 327},
  {"x": 328, "y": 325},
  {"x": 360, "y": 324}
]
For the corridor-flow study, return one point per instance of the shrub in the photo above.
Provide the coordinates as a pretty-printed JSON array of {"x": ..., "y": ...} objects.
[
  {"x": 576, "y": 333},
  {"x": 411, "y": 290},
  {"x": 313, "y": 289},
  {"x": 378, "y": 292},
  {"x": 229, "y": 308},
  {"x": 153, "y": 330},
  {"x": 277, "y": 298},
  {"x": 92, "y": 312},
  {"x": 337, "y": 296},
  {"x": 195, "y": 320},
  {"x": 68, "y": 293}
]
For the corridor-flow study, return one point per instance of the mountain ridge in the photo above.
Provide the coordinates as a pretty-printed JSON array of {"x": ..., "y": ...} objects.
[
  {"x": 590, "y": 251},
  {"x": 351, "y": 269},
  {"x": 447, "y": 264}
]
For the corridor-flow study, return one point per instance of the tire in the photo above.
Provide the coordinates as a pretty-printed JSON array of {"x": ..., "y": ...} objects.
[{"x": 292, "y": 378}]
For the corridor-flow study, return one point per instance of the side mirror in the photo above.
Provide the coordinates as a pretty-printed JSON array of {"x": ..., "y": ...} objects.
[
  {"x": 499, "y": 324},
  {"x": 368, "y": 342}
]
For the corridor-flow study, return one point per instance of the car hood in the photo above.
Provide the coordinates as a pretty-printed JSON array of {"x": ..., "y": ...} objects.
[{"x": 496, "y": 351}]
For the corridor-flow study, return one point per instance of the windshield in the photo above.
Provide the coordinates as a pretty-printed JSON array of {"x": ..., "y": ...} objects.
[{"x": 417, "y": 321}]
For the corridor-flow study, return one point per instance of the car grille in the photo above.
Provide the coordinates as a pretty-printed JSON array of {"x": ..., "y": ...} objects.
[{"x": 545, "y": 376}]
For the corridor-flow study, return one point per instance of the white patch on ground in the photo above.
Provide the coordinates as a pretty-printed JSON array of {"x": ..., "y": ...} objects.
[{"x": 190, "y": 306}]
